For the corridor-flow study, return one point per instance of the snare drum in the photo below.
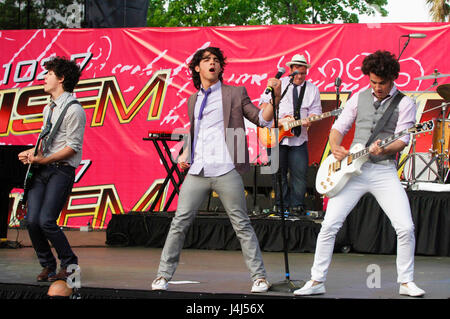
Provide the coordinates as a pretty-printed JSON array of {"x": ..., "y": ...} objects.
[{"x": 437, "y": 136}]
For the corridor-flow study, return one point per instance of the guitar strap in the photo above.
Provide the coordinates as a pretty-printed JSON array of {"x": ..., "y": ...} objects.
[
  {"x": 298, "y": 101},
  {"x": 386, "y": 116},
  {"x": 58, "y": 123}
]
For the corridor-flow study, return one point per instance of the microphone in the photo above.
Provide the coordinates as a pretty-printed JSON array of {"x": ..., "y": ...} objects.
[
  {"x": 292, "y": 76},
  {"x": 409, "y": 36},
  {"x": 337, "y": 82},
  {"x": 415, "y": 36},
  {"x": 280, "y": 72}
]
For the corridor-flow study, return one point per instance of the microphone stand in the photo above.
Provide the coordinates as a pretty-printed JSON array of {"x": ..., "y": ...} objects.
[
  {"x": 404, "y": 47},
  {"x": 287, "y": 285},
  {"x": 338, "y": 98}
]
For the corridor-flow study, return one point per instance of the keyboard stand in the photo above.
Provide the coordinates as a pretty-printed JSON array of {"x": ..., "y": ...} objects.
[{"x": 171, "y": 168}]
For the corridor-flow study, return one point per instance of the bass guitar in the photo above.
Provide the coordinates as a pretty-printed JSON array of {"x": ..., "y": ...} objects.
[
  {"x": 333, "y": 174},
  {"x": 267, "y": 136}
]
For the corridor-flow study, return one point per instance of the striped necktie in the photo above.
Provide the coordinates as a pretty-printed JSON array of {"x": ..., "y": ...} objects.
[
  {"x": 48, "y": 126},
  {"x": 200, "y": 116}
]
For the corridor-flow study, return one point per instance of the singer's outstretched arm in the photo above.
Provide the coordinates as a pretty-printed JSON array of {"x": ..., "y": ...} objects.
[{"x": 268, "y": 113}]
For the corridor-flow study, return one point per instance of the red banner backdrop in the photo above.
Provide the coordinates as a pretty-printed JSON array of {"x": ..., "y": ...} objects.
[{"x": 136, "y": 80}]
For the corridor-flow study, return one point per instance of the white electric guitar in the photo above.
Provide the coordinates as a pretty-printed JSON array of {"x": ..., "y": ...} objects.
[{"x": 333, "y": 174}]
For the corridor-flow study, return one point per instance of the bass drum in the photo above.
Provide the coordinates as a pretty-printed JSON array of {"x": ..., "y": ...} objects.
[{"x": 437, "y": 136}]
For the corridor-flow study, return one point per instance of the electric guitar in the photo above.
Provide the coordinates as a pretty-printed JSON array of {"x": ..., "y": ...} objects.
[
  {"x": 333, "y": 174},
  {"x": 267, "y": 136},
  {"x": 29, "y": 176}
]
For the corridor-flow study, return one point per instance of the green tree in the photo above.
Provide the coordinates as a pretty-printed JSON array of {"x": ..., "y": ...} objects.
[
  {"x": 322, "y": 11},
  {"x": 36, "y": 14},
  {"x": 180, "y": 13}
]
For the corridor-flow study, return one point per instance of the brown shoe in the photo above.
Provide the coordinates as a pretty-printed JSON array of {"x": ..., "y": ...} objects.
[
  {"x": 61, "y": 275},
  {"x": 45, "y": 274}
]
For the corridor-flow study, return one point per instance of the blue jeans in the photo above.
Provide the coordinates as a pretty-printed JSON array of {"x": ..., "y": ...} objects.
[
  {"x": 292, "y": 160},
  {"x": 48, "y": 194}
]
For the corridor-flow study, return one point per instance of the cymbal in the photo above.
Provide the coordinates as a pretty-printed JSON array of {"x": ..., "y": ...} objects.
[
  {"x": 434, "y": 75},
  {"x": 444, "y": 91}
]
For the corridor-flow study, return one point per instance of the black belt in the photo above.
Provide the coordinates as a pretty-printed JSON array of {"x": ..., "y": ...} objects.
[{"x": 59, "y": 164}]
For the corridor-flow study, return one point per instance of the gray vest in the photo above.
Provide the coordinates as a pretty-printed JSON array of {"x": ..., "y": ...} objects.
[{"x": 366, "y": 120}]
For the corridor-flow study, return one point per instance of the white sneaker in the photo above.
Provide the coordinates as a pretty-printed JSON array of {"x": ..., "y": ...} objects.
[
  {"x": 260, "y": 285},
  {"x": 410, "y": 289},
  {"x": 309, "y": 289},
  {"x": 160, "y": 283}
]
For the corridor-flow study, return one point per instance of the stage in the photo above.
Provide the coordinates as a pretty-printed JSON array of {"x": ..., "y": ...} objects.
[
  {"x": 127, "y": 272},
  {"x": 121, "y": 261}
]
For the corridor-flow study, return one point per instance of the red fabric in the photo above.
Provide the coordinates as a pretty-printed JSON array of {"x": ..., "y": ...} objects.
[{"x": 137, "y": 81}]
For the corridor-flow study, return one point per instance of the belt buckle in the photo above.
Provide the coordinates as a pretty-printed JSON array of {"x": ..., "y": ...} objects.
[{"x": 60, "y": 164}]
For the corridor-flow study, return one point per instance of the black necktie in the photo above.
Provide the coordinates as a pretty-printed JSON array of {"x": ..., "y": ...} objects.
[
  {"x": 296, "y": 130},
  {"x": 376, "y": 104}
]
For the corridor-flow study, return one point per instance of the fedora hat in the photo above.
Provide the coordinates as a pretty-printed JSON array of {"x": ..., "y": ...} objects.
[{"x": 298, "y": 59}]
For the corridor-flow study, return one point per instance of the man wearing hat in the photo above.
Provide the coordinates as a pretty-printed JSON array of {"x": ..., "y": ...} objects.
[{"x": 302, "y": 99}]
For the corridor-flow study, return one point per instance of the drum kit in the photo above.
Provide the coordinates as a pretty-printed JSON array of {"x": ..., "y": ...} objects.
[{"x": 438, "y": 159}]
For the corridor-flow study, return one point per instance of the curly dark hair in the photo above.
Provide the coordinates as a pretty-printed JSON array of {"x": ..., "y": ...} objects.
[
  {"x": 196, "y": 61},
  {"x": 62, "y": 67},
  {"x": 381, "y": 63}
]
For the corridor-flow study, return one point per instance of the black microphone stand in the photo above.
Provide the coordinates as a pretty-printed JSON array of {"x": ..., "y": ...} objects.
[
  {"x": 404, "y": 47},
  {"x": 338, "y": 98},
  {"x": 287, "y": 285}
]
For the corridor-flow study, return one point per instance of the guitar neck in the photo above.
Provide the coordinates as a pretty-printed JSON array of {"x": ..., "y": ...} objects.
[
  {"x": 311, "y": 119},
  {"x": 383, "y": 143}
]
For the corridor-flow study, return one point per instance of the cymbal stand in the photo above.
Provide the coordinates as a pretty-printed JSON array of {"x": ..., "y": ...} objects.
[
  {"x": 413, "y": 178},
  {"x": 414, "y": 96},
  {"x": 443, "y": 156}
]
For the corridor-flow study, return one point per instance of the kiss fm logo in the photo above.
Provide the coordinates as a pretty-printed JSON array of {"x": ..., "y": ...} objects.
[{"x": 21, "y": 108}]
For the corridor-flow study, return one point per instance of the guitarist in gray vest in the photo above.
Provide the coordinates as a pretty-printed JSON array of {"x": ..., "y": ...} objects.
[
  {"x": 53, "y": 163},
  {"x": 379, "y": 175}
]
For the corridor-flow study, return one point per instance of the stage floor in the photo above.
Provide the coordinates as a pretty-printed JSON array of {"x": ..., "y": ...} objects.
[{"x": 215, "y": 272}]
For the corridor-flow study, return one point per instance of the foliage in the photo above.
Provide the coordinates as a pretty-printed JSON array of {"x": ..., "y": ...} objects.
[
  {"x": 171, "y": 13},
  {"x": 37, "y": 14},
  {"x": 439, "y": 10}
]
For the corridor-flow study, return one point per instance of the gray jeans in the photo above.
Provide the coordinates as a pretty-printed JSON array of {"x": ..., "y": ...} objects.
[{"x": 194, "y": 191}]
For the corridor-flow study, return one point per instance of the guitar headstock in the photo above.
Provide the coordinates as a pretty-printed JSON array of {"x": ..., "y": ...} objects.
[
  {"x": 336, "y": 112},
  {"x": 422, "y": 127}
]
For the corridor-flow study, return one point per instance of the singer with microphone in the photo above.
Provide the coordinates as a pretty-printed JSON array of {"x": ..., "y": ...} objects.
[
  {"x": 217, "y": 157},
  {"x": 300, "y": 100}
]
